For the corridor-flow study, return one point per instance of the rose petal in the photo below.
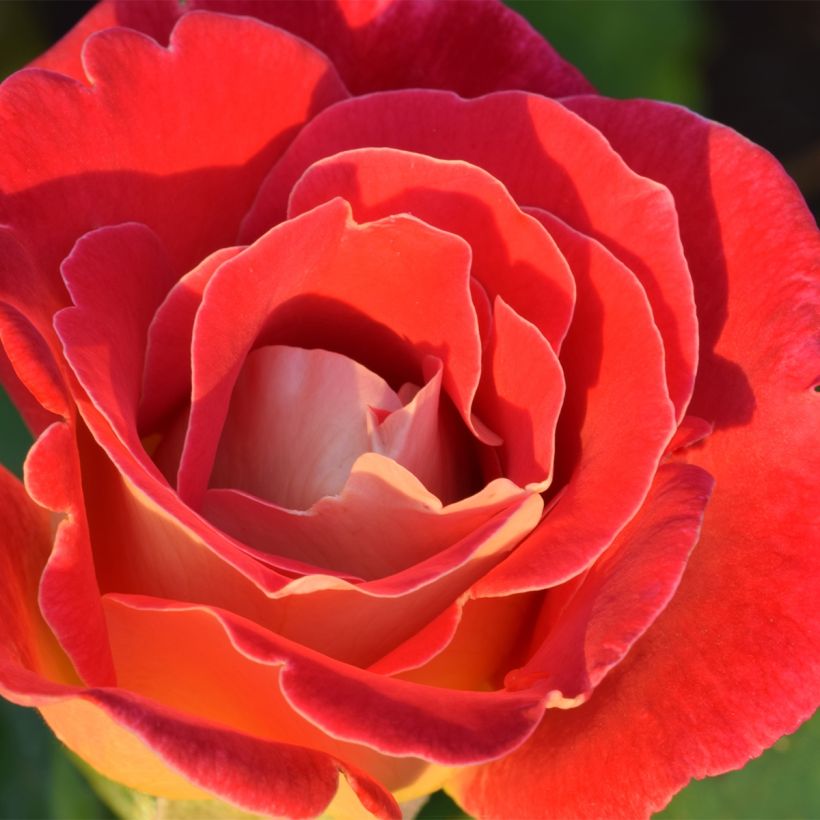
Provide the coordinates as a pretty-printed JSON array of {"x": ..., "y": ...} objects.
[
  {"x": 547, "y": 158},
  {"x": 624, "y": 591},
  {"x": 426, "y": 437},
  {"x": 159, "y": 137},
  {"x": 742, "y": 614},
  {"x": 147, "y": 543},
  {"x": 166, "y": 380},
  {"x": 26, "y": 643},
  {"x": 449, "y": 727},
  {"x": 160, "y": 651},
  {"x": 147, "y": 746},
  {"x": 470, "y": 49},
  {"x": 615, "y": 422},
  {"x": 490, "y": 638},
  {"x": 69, "y": 597},
  {"x": 298, "y": 420},
  {"x": 520, "y": 397},
  {"x": 386, "y": 294},
  {"x": 349, "y": 532},
  {"x": 29, "y": 346},
  {"x": 31, "y": 374},
  {"x": 117, "y": 277},
  {"x": 513, "y": 256}
]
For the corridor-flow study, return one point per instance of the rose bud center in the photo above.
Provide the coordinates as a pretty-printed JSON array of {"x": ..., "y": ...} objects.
[{"x": 299, "y": 419}]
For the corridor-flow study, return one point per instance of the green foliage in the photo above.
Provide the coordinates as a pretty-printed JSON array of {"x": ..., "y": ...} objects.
[{"x": 628, "y": 48}]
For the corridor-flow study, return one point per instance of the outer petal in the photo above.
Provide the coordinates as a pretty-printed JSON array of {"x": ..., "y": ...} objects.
[
  {"x": 26, "y": 643},
  {"x": 403, "y": 718},
  {"x": 734, "y": 661},
  {"x": 158, "y": 137},
  {"x": 69, "y": 596},
  {"x": 546, "y": 158},
  {"x": 376, "y": 44},
  {"x": 32, "y": 374}
]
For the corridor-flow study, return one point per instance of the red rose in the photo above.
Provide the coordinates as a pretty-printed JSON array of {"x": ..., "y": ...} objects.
[{"x": 377, "y": 431}]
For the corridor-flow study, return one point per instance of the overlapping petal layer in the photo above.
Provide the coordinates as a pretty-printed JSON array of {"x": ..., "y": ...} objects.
[
  {"x": 410, "y": 466},
  {"x": 375, "y": 44}
]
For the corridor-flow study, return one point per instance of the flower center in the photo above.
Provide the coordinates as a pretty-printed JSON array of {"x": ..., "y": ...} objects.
[{"x": 299, "y": 419}]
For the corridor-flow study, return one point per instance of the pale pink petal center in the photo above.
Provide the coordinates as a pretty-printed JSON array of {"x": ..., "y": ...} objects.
[{"x": 298, "y": 420}]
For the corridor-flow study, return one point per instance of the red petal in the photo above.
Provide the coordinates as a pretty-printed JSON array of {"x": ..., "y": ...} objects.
[
  {"x": 117, "y": 277},
  {"x": 743, "y": 617},
  {"x": 386, "y": 294},
  {"x": 172, "y": 138},
  {"x": 26, "y": 643},
  {"x": 513, "y": 256},
  {"x": 27, "y": 338},
  {"x": 624, "y": 591},
  {"x": 69, "y": 596},
  {"x": 166, "y": 381},
  {"x": 520, "y": 397},
  {"x": 546, "y": 157},
  {"x": 346, "y": 533},
  {"x": 614, "y": 426},
  {"x": 469, "y": 48},
  {"x": 155, "y": 18},
  {"x": 387, "y": 715}
]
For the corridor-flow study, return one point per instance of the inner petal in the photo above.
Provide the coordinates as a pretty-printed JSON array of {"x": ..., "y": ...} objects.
[{"x": 298, "y": 420}]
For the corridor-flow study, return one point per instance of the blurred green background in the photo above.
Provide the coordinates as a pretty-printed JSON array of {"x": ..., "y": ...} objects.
[{"x": 752, "y": 65}]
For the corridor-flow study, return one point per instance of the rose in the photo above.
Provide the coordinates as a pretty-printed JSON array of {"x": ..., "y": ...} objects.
[{"x": 193, "y": 641}]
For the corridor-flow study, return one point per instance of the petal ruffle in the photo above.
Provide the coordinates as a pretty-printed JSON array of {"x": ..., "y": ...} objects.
[
  {"x": 471, "y": 49},
  {"x": 158, "y": 136}
]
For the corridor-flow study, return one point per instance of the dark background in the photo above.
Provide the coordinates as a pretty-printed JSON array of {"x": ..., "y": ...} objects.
[{"x": 752, "y": 65}]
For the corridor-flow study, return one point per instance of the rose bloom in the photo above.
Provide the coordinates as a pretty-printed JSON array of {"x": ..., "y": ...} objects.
[{"x": 408, "y": 416}]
